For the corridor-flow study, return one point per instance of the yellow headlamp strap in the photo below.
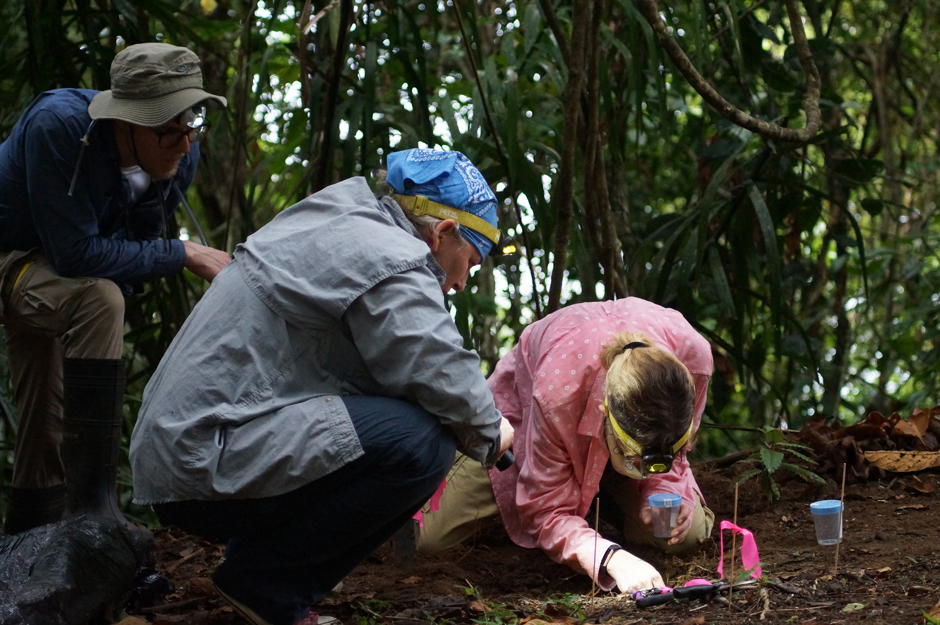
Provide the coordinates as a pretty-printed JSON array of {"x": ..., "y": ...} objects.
[
  {"x": 632, "y": 444},
  {"x": 420, "y": 205}
]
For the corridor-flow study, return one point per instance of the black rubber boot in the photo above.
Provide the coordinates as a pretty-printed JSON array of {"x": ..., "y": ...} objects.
[
  {"x": 93, "y": 411},
  {"x": 33, "y": 507}
]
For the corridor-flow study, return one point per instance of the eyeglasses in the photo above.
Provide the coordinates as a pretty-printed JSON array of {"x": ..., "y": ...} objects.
[
  {"x": 195, "y": 118},
  {"x": 171, "y": 138}
]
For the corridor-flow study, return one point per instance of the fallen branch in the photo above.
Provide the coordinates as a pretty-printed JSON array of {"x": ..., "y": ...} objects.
[
  {"x": 171, "y": 568},
  {"x": 168, "y": 607}
]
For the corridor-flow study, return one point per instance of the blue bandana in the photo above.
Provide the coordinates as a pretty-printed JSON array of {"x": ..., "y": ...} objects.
[{"x": 431, "y": 173}]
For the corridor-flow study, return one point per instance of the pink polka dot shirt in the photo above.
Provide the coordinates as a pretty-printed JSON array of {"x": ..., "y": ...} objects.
[{"x": 551, "y": 388}]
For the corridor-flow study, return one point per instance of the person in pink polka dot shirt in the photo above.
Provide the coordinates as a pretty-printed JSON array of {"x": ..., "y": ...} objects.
[{"x": 652, "y": 368}]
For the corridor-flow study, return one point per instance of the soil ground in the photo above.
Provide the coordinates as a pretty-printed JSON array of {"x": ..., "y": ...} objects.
[{"x": 888, "y": 569}]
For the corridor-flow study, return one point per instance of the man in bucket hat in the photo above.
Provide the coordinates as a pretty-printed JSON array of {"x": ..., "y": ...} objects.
[
  {"x": 86, "y": 182},
  {"x": 315, "y": 397}
]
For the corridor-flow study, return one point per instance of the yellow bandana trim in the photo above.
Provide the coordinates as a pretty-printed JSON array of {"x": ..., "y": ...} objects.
[
  {"x": 420, "y": 205},
  {"x": 20, "y": 274},
  {"x": 634, "y": 446}
]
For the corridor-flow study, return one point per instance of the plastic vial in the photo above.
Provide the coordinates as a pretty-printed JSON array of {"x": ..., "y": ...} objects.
[
  {"x": 665, "y": 508},
  {"x": 827, "y": 515}
]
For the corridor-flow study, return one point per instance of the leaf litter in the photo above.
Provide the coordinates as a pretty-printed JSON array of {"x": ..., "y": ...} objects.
[{"x": 889, "y": 561}]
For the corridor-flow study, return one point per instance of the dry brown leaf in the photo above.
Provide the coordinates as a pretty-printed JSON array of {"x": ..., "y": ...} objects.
[
  {"x": 904, "y": 461},
  {"x": 414, "y": 579},
  {"x": 202, "y": 586},
  {"x": 920, "y": 420},
  {"x": 934, "y": 611},
  {"x": 476, "y": 606},
  {"x": 866, "y": 430},
  {"x": 915, "y": 506},
  {"x": 554, "y": 610},
  {"x": 906, "y": 428},
  {"x": 132, "y": 620},
  {"x": 922, "y": 486},
  {"x": 695, "y": 620}
]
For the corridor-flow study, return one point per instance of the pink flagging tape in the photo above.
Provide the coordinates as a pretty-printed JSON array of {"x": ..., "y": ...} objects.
[
  {"x": 749, "y": 555},
  {"x": 434, "y": 504}
]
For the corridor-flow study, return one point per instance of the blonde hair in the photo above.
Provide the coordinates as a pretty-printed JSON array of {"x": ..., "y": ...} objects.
[{"x": 649, "y": 391}]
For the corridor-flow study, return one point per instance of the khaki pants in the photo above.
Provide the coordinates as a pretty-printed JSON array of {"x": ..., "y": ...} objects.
[
  {"x": 468, "y": 502},
  {"x": 47, "y": 318}
]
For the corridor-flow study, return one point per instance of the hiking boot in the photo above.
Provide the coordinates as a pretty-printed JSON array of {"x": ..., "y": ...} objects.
[
  {"x": 93, "y": 398},
  {"x": 29, "y": 508},
  {"x": 253, "y": 617}
]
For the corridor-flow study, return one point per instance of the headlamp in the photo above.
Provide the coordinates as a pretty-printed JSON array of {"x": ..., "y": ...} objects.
[
  {"x": 504, "y": 247},
  {"x": 193, "y": 117},
  {"x": 651, "y": 463}
]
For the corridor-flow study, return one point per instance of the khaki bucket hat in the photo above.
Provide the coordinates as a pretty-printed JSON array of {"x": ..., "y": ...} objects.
[{"x": 151, "y": 83}]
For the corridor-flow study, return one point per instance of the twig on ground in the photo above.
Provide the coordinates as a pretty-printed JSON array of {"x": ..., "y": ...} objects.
[
  {"x": 835, "y": 566},
  {"x": 733, "y": 536},
  {"x": 765, "y": 596},
  {"x": 178, "y": 605},
  {"x": 787, "y": 588},
  {"x": 597, "y": 529},
  {"x": 171, "y": 568}
]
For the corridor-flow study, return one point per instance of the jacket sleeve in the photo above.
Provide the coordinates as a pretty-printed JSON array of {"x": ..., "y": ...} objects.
[
  {"x": 549, "y": 491},
  {"x": 68, "y": 226},
  {"x": 412, "y": 348}
]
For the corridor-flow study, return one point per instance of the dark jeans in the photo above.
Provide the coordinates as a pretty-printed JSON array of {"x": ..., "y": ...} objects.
[{"x": 285, "y": 553}]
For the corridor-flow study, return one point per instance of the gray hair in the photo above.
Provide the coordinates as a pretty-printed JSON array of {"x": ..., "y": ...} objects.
[{"x": 425, "y": 224}]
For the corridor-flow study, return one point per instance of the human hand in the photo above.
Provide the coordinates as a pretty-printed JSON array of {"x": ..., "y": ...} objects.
[
  {"x": 631, "y": 573},
  {"x": 205, "y": 262},
  {"x": 683, "y": 522},
  {"x": 505, "y": 435}
]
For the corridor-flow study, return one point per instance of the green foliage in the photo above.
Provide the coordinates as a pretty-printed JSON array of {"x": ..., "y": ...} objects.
[
  {"x": 494, "y": 613},
  {"x": 568, "y": 605},
  {"x": 497, "y": 614},
  {"x": 771, "y": 456},
  {"x": 372, "y": 610}
]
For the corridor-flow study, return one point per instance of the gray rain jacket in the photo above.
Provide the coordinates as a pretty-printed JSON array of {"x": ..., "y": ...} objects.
[{"x": 337, "y": 295}]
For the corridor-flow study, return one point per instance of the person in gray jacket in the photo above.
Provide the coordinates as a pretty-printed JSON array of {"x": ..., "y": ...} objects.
[{"x": 315, "y": 398}]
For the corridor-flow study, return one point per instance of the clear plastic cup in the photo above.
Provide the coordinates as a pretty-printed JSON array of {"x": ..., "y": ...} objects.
[
  {"x": 827, "y": 515},
  {"x": 665, "y": 508}
]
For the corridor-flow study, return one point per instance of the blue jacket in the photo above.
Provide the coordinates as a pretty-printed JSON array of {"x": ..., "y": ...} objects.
[{"x": 95, "y": 232}]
